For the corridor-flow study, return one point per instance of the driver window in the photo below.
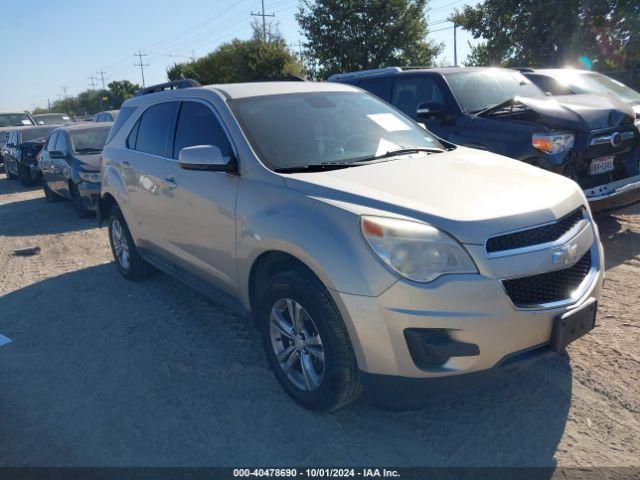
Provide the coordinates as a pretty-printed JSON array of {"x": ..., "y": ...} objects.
[
  {"x": 197, "y": 125},
  {"x": 410, "y": 92}
]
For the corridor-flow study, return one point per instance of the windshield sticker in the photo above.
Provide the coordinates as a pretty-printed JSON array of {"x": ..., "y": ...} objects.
[
  {"x": 26, "y": 122},
  {"x": 389, "y": 122}
]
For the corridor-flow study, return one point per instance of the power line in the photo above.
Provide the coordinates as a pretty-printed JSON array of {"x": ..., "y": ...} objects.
[
  {"x": 264, "y": 20},
  {"x": 101, "y": 72},
  {"x": 92, "y": 81},
  {"x": 141, "y": 64}
]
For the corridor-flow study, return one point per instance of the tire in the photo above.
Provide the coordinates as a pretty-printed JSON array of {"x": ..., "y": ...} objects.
[
  {"x": 332, "y": 378},
  {"x": 49, "y": 195},
  {"x": 10, "y": 176},
  {"x": 76, "y": 199},
  {"x": 125, "y": 253},
  {"x": 24, "y": 175}
]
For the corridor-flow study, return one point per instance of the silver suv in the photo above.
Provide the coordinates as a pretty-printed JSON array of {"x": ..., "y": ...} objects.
[{"x": 368, "y": 252}]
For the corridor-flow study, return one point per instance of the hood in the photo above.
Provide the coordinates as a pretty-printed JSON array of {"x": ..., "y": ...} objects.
[
  {"x": 469, "y": 193},
  {"x": 89, "y": 161},
  {"x": 574, "y": 112}
]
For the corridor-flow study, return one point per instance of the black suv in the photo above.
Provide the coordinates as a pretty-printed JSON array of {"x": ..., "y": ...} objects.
[
  {"x": 21, "y": 150},
  {"x": 589, "y": 138}
]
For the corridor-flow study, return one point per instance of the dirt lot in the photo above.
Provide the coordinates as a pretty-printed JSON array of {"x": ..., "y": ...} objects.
[{"x": 101, "y": 371}]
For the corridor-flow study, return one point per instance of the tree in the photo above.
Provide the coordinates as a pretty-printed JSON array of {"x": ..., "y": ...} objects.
[
  {"x": 347, "y": 35},
  {"x": 119, "y": 91},
  {"x": 242, "y": 61},
  {"x": 478, "y": 56}
]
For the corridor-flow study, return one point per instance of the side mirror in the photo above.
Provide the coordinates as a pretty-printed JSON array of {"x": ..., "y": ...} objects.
[
  {"x": 56, "y": 154},
  {"x": 205, "y": 157},
  {"x": 430, "y": 110}
]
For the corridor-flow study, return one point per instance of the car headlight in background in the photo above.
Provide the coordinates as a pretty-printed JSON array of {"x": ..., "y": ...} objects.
[
  {"x": 553, "y": 142},
  {"x": 91, "y": 177},
  {"x": 415, "y": 250}
]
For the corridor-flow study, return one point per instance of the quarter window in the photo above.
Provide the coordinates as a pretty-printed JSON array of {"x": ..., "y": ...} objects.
[
  {"x": 154, "y": 128},
  {"x": 197, "y": 125}
]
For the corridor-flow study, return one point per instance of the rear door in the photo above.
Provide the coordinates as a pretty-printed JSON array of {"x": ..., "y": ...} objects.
[
  {"x": 150, "y": 175},
  {"x": 200, "y": 223}
]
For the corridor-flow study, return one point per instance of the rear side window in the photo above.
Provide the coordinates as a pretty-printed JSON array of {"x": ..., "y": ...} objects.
[
  {"x": 412, "y": 91},
  {"x": 125, "y": 113},
  {"x": 154, "y": 128},
  {"x": 380, "y": 87},
  {"x": 198, "y": 125}
]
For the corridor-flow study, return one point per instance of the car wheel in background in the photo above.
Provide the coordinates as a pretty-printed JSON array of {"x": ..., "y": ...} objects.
[
  {"x": 24, "y": 175},
  {"x": 76, "y": 199},
  {"x": 128, "y": 261},
  {"x": 49, "y": 195},
  {"x": 306, "y": 342},
  {"x": 10, "y": 175}
]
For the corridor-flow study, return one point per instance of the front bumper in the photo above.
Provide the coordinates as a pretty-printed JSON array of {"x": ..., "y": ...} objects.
[
  {"x": 614, "y": 194},
  {"x": 89, "y": 194},
  {"x": 472, "y": 310}
]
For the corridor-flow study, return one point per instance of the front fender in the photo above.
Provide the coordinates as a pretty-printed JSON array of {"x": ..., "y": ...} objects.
[{"x": 112, "y": 184}]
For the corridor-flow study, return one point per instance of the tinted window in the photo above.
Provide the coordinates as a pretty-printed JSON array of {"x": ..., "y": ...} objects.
[
  {"x": 548, "y": 84},
  {"x": 124, "y": 115},
  {"x": 197, "y": 125},
  {"x": 378, "y": 86},
  {"x": 14, "y": 119},
  {"x": 412, "y": 91},
  {"x": 62, "y": 144},
  {"x": 155, "y": 128},
  {"x": 51, "y": 143}
]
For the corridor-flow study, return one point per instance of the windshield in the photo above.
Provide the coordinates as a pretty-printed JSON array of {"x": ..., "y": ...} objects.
[
  {"x": 591, "y": 82},
  {"x": 89, "y": 141},
  {"x": 296, "y": 130},
  {"x": 477, "y": 90},
  {"x": 14, "y": 119},
  {"x": 52, "y": 119},
  {"x": 35, "y": 133}
]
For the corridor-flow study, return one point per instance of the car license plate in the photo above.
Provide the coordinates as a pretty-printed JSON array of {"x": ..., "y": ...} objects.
[
  {"x": 601, "y": 165},
  {"x": 572, "y": 325}
]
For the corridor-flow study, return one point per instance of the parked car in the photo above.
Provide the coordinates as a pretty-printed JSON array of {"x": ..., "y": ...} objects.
[
  {"x": 568, "y": 81},
  {"x": 588, "y": 138},
  {"x": 8, "y": 121},
  {"x": 70, "y": 165},
  {"x": 20, "y": 150},
  {"x": 369, "y": 253},
  {"x": 107, "y": 116},
  {"x": 52, "y": 119}
]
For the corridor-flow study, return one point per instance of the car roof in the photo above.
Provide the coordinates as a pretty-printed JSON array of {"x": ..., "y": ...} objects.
[
  {"x": 52, "y": 114},
  {"x": 73, "y": 127}
]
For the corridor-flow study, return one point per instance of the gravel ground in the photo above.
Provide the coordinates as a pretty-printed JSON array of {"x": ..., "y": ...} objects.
[{"x": 105, "y": 372}]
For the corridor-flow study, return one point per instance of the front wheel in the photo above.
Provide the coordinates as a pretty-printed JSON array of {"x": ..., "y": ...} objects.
[
  {"x": 49, "y": 195},
  {"x": 10, "y": 175},
  {"x": 125, "y": 253},
  {"x": 306, "y": 342}
]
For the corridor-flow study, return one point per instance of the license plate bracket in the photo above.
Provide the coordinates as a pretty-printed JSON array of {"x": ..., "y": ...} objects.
[
  {"x": 601, "y": 165},
  {"x": 573, "y": 325}
]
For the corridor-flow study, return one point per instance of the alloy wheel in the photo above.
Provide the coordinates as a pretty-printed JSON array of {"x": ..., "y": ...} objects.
[{"x": 120, "y": 245}]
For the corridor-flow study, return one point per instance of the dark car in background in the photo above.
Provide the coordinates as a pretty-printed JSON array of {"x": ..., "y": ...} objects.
[
  {"x": 70, "y": 165},
  {"x": 52, "y": 119},
  {"x": 20, "y": 151},
  {"x": 106, "y": 116},
  {"x": 568, "y": 81},
  {"x": 8, "y": 121},
  {"x": 589, "y": 138}
]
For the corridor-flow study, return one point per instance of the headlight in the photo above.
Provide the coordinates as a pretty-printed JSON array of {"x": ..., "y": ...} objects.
[
  {"x": 91, "y": 177},
  {"x": 553, "y": 142},
  {"x": 415, "y": 250}
]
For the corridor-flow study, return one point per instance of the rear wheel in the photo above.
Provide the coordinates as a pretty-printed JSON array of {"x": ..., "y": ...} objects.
[
  {"x": 125, "y": 253},
  {"x": 24, "y": 175},
  {"x": 76, "y": 199},
  {"x": 10, "y": 175},
  {"x": 306, "y": 342}
]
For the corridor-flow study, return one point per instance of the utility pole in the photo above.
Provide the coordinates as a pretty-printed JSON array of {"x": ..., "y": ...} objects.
[
  {"x": 264, "y": 21},
  {"x": 455, "y": 45},
  {"x": 49, "y": 103},
  {"x": 101, "y": 73},
  {"x": 193, "y": 55},
  {"x": 64, "y": 89},
  {"x": 141, "y": 64},
  {"x": 92, "y": 81}
]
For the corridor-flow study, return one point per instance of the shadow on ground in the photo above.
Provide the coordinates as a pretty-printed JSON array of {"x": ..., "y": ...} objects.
[
  {"x": 102, "y": 371},
  {"x": 620, "y": 242}
]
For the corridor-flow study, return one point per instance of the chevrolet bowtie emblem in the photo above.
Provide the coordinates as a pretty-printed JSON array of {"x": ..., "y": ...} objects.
[{"x": 566, "y": 255}]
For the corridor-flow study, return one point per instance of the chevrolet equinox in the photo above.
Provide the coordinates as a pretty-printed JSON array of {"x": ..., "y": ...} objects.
[{"x": 371, "y": 255}]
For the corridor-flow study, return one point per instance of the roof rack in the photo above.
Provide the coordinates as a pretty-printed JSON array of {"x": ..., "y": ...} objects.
[
  {"x": 363, "y": 73},
  {"x": 178, "y": 84},
  {"x": 523, "y": 69}
]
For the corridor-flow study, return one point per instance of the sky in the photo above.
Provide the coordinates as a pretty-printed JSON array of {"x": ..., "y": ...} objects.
[{"x": 49, "y": 47}]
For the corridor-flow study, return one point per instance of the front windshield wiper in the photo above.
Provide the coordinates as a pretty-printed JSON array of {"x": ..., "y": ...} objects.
[
  {"x": 484, "y": 110},
  {"x": 356, "y": 162},
  {"x": 88, "y": 150}
]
